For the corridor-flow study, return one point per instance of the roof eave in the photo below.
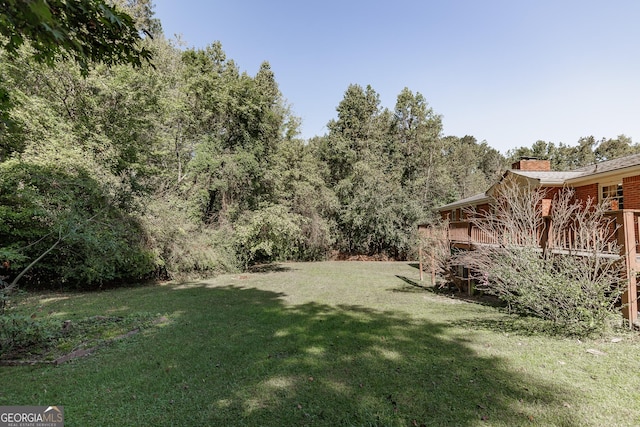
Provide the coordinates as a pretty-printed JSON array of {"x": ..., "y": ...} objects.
[
  {"x": 605, "y": 174},
  {"x": 465, "y": 202}
]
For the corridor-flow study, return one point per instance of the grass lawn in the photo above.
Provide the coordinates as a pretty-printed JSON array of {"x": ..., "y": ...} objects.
[{"x": 327, "y": 344}]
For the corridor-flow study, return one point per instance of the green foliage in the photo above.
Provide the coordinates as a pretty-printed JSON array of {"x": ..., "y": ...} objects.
[
  {"x": 269, "y": 234},
  {"x": 390, "y": 170},
  {"x": 174, "y": 167},
  {"x": 380, "y": 217},
  {"x": 553, "y": 288},
  {"x": 43, "y": 205},
  {"x": 194, "y": 152},
  {"x": 36, "y": 338},
  {"x": 19, "y": 332},
  {"x": 182, "y": 245},
  {"x": 613, "y": 148},
  {"x": 586, "y": 151},
  {"x": 483, "y": 165},
  {"x": 299, "y": 185},
  {"x": 83, "y": 30}
]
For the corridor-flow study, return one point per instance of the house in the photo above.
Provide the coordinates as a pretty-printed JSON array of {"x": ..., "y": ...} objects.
[{"x": 616, "y": 181}]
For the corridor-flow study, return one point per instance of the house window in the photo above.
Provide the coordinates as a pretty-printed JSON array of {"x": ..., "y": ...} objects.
[{"x": 613, "y": 193}]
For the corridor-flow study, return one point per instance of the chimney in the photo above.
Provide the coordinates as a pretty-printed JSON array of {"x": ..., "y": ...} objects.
[{"x": 532, "y": 164}]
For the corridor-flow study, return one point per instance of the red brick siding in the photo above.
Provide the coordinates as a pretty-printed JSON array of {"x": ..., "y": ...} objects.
[
  {"x": 585, "y": 192},
  {"x": 551, "y": 192},
  {"x": 631, "y": 192}
]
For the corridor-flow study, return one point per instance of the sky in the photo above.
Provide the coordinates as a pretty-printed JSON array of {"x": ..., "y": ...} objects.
[{"x": 508, "y": 72}]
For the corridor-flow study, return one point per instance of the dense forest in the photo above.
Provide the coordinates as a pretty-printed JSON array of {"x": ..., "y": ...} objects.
[{"x": 186, "y": 165}]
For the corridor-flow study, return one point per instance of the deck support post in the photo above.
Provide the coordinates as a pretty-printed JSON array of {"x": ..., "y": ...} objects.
[
  {"x": 420, "y": 261},
  {"x": 627, "y": 242},
  {"x": 433, "y": 268}
]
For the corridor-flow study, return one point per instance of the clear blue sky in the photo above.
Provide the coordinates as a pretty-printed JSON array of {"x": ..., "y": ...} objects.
[{"x": 510, "y": 72}]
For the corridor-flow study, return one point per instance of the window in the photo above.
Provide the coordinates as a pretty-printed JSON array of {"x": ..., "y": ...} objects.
[{"x": 613, "y": 193}]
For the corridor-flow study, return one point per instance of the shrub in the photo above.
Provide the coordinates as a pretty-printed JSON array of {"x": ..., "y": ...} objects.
[
  {"x": 578, "y": 292},
  {"x": 184, "y": 247},
  {"x": 19, "y": 332},
  {"x": 268, "y": 234},
  {"x": 63, "y": 208}
]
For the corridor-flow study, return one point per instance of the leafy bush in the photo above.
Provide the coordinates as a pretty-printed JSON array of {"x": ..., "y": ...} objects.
[
  {"x": 183, "y": 246},
  {"x": 18, "y": 332},
  {"x": 44, "y": 206},
  {"x": 552, "y": 287},
  {"x": 269, "y": 234}
]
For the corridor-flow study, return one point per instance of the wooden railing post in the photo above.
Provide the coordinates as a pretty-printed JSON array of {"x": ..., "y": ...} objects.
[
  {"x": 627, "y": 242},
  {"x": 544, "y": 237}
]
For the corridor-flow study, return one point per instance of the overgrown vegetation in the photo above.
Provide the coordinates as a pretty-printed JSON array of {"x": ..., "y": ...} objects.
[
  {"x": 579, "y": 290},
  {"x": 125, "y": 157},
  {"x": 32, "y": 339},
  {"x": 325, "y": 343},
  {"x": 187, "y": 166}
]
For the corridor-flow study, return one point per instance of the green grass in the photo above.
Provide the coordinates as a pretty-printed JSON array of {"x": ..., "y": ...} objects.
[{"x": 327, "y": 344}]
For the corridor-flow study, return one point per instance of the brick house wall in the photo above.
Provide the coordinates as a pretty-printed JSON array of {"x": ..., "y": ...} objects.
[
  {"x": 631, "y": 192},
  {"x": 551, "y": 192},
  {"x": 585, "y": 192}
]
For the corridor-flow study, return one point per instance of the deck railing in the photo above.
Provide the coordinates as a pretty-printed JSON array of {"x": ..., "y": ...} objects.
[{"x": 465, "y": 232}]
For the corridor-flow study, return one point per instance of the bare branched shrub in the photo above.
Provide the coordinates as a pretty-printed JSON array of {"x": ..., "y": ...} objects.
[
  {"x": 434, "y": 244},
  {"x": 565, "y": 268}
]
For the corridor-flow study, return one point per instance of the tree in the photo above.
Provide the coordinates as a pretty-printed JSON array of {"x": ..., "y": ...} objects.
[
  {"x": 356, "y": 114},
  {"x": 142, "y": 13},
  {"x": 419, "y": 153},
  {"x": 82, "y": 134},
  {"x": 83, "y": 30},
  {"x": 300, "y": 187},
  {"x": 587, "y": 151},
  {"x": 472, "y": 167},
  {"x": 238, "y": 123},
  {"x": 613, "y": 148},
  {"x": 417, "y": 132}
]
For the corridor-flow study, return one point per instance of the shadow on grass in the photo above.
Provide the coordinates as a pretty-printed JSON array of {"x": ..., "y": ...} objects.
[
  {"x": 518, "y": 324},
  {"x": 268, "y": 268},
  {"x": 238, "y": 356},
  {"x": 413, "y": 286},
  {"x": 481, "y": 299}
]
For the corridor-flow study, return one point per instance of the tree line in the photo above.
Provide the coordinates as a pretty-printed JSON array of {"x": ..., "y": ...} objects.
[{"x": 185, "y": 165}]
